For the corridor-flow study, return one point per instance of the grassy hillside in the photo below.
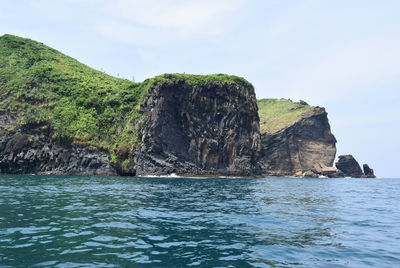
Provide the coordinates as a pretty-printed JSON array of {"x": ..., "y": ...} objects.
[
  {"x": 40, "y": 84},
  {"x": 276, "y": 114}
]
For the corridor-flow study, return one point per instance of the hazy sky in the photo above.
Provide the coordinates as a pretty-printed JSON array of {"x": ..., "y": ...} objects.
[{"x": 342, "y": 55}]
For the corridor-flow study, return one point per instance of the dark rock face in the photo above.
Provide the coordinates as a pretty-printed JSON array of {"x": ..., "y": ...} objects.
[
  {"x": 349, "y": 166},
  {"x": 299, "y": 147},
  {"x": 31, "y": 150},
  {"x": 212, "y": 128},
  {"x": 368, "y": 172}
]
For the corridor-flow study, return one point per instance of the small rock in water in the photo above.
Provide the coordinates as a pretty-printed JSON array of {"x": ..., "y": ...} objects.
[
  {"x": 349, "y": 166},
  {"x": 368, "y": 172}
]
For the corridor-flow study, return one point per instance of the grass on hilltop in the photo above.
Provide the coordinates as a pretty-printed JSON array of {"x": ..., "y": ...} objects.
[
  {"x": 276, "y": 114},
  {"x": 195, "y": 79}
]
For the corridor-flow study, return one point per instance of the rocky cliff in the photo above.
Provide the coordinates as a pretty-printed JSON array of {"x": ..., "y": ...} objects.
[
  {"x": 58, "y": 116},
  {"x": 202, "y": 128},
  {"x": 207, "y": 128},
  {"x": 31, "y": 149},
  {"x": 302, "y": 141}
]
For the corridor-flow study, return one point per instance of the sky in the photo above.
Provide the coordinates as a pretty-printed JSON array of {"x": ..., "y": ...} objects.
[{"x": 338, "y": 54}]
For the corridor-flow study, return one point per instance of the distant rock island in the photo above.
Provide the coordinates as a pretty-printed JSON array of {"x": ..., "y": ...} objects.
[{"x": 58, "y": 116}]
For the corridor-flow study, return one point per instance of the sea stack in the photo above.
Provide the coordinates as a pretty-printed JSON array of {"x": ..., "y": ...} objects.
[
  {"x": 349, "y": 166},
  {"x": 368, "y": 172}
]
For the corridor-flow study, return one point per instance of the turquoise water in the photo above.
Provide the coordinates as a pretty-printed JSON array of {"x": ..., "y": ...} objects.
[{"x": 56, "y": 221}]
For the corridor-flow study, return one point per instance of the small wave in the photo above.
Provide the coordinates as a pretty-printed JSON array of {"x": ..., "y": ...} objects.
[{"x": 174, "y": 175}]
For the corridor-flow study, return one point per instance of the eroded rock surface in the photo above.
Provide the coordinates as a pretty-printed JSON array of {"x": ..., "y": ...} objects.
[
  {"x": 32, "y": 150},
  {"x": 299, "y": 147},
  {"x": 210, "y": 128}
]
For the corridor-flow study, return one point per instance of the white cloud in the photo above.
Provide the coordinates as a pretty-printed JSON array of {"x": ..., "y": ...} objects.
[
  {"x": 155, "y": 21},
  {"x": 177, "y": 14}
]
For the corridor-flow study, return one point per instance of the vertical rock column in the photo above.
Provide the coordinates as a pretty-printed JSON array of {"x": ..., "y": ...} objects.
[{"x": 211, "y": 128}]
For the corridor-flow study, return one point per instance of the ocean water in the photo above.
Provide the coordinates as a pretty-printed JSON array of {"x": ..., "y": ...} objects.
[{"x": 60, "y": 221}]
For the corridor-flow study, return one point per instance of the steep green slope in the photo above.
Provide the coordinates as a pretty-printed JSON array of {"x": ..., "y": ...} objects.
[
  {"x": 276, "y": 114},
  {"x": 39, "y": 84}
]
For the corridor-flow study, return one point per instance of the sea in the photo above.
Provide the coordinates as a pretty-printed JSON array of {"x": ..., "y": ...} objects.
[{"x": 67, "y": 221}]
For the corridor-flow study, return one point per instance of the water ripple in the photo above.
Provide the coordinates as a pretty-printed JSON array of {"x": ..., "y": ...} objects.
[{"x": 48, "y": 221}]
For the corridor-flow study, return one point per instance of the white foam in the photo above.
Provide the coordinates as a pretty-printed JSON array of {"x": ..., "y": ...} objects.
[{"x": 174, "y": 175}]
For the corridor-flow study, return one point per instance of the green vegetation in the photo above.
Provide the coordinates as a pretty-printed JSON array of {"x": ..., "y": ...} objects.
[
  {"x": 83, "y": 105},
  {"x": 195, "y": 79},
  {"x": 40, "y": 84},
  {"x": 276, "y": 114}
]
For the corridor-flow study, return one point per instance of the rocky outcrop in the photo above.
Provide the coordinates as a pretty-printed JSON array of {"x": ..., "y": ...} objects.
[
  {"x": 349, "y": 166},
  {"x": 299, "y": 147},
  {"x": 368, "y": 172},
  {"x": 208, "y": 128},
  {"x": 31, "y": 149}
]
